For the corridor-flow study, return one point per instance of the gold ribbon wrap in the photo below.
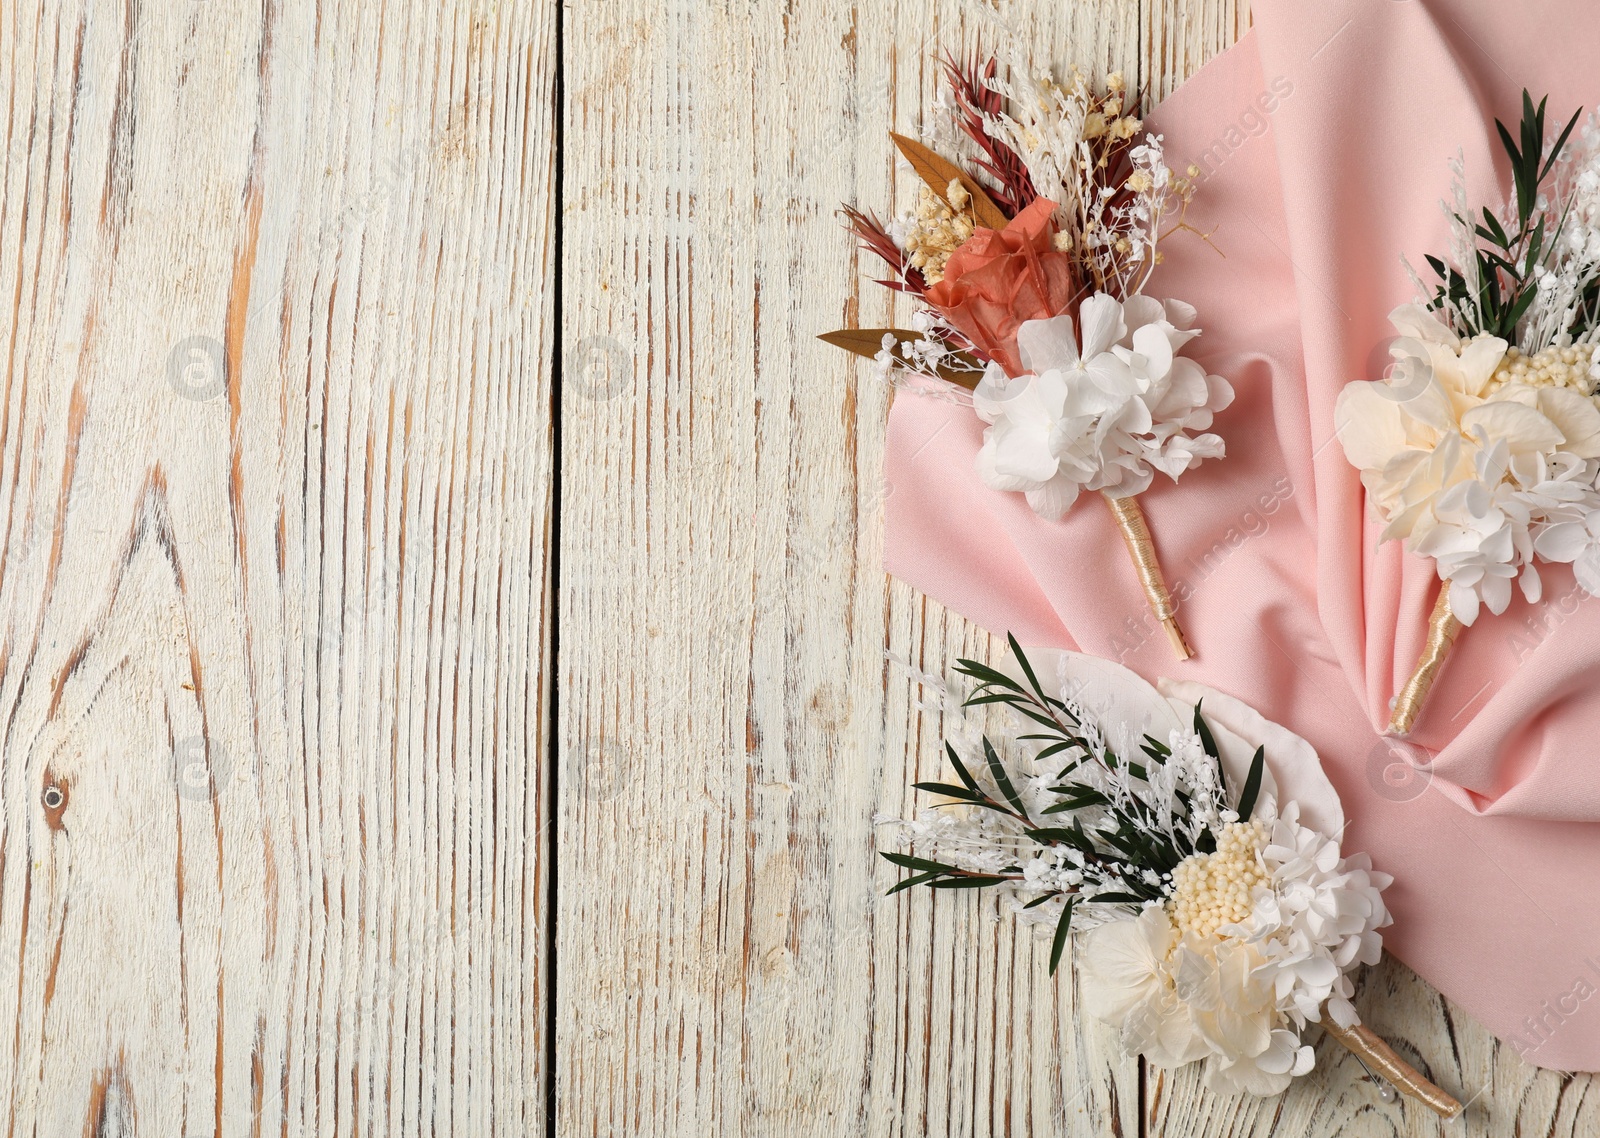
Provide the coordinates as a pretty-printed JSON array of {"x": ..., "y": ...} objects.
[
  {"x": 1443, "y": 628},
  {"x": 1130, "y": 520},
  {"x": 1380, "y": 1059}
]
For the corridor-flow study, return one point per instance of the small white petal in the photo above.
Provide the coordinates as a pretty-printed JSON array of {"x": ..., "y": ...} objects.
[
  {"x": 1464, "y": 603},
  {"x": 1047, "y": 345},
  {"x": 1052, "y": 500},
  {"x": 1563, "y": 541},
  {"x": 1103, "y": 327}
]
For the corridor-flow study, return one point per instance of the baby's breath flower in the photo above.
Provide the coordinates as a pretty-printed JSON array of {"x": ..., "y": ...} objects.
[{"x": 937, "y": 229}]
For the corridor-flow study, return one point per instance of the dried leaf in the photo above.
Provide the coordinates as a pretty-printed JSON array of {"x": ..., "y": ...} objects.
[
  {"x": 869, "y": 342},
  {"x": 940, "y": 172}
]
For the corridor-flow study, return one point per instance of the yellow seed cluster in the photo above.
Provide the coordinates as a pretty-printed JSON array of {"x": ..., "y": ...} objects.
[
  {"x": 1553, "y": 367},
  {"x": 1212, "y": 890},
  {"x": 939, "y": 229}
]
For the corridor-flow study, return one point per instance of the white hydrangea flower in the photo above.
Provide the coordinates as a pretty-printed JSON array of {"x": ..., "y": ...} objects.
[
  {"x": 1469, "y": 462},
  {"x": 1317, "y": 922},
  {"x": 1103, "y": 407},
  {"x": 1576, "y": 542}
]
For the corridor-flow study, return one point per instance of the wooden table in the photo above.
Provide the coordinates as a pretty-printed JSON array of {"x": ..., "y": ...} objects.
[{"x": 443, "y": 651}]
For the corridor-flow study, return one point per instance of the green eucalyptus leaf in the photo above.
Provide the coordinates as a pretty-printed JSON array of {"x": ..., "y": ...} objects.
[
  {"x": 1252, "y": 784},
  {"x": 1059, "y": 941},
  {"x": 920, "y": 879},
  {"x": 1002, "y": 779}
]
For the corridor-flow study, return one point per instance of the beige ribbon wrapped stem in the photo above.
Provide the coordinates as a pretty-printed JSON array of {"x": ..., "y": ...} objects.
[
  {"x": 1443, "y": 628},
  {"x": 1380, "y": 1059},
  {"x": 1130, "y": 520}
]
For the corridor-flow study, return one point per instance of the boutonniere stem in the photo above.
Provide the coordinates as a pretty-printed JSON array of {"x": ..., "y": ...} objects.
[
  {"x": 1136, "y": 533},
  {"x": 1381, "y": 1061},
  {"x": 1443, "y": 628}
]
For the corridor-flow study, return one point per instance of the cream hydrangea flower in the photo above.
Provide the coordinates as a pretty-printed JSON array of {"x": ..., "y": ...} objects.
[
  {"x": 1464, "y": 459},
  {"x": 1129, "y": 964},
  {"x": 1270, "y": 1072},
  {"x": 1104, "y": 405},
  {"x": 1180, "y": 988}
]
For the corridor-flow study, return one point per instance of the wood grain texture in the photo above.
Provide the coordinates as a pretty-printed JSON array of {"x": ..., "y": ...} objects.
[
  {"x": 276, "y": 458},
  {"x": 729, "y": 726},
  {"x": 727, "y": 963},
  {"x": 275, "y": 469}
]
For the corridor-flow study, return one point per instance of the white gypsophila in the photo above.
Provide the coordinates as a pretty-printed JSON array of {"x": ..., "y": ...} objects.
[
  {"x": 903, "y": 363},
  {"x": 1573, "y": 262},
  {"x": 1105, "y": 412},
  {"x": 1472, "y": 463},
  {"x": 1128, "y": 234},
  {"x": 1112, "y": 229}
]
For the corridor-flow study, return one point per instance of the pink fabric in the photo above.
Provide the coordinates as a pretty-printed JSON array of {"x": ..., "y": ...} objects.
[{"x": 1325, "y": 135}]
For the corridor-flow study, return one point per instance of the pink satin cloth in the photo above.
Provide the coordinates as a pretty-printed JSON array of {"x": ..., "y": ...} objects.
[{"x": 1324, "y": 137}]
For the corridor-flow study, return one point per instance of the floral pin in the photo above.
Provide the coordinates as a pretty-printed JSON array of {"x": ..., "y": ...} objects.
[
  {"x": 1481, "y": 448},
  {"x": 1030, "y": 263},
  {"x": 1193, "y": 845}
]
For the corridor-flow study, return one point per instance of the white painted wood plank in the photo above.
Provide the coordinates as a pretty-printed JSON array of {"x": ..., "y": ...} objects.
[
  {"x": 274, "y": 484},
  {"x": 727, "y": 963}
]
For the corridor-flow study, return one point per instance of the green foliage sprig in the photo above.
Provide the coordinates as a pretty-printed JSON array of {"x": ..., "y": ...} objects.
[
  {"x": 1507, "y": 256},
  {"x": 1124, "y": 849}
]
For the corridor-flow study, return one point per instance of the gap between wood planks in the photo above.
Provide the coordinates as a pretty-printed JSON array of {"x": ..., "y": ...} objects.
[{"x": 552, "y": 748}]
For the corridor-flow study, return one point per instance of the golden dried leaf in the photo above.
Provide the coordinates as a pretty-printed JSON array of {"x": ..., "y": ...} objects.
[
  {"x": 939, "y": 172},
  {"x": 868, "y": 342}
]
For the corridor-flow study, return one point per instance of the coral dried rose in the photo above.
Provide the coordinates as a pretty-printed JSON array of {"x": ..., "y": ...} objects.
[{"x": 998, "y": 280}]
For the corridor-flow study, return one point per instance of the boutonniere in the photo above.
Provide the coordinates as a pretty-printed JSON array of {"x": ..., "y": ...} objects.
[
  {"x": 1481, "y": 447},
  {"x": 1028, "y": 254},
  {"x": 1193, "y": 847}
]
